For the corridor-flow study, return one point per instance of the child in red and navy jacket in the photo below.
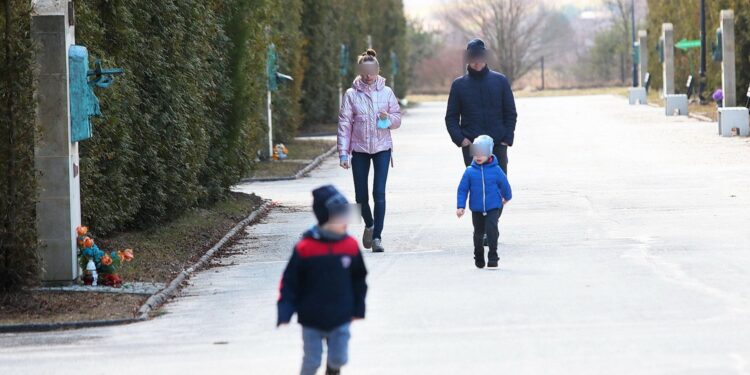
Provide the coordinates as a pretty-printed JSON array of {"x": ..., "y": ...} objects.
[{"x": 324, "y": 283}]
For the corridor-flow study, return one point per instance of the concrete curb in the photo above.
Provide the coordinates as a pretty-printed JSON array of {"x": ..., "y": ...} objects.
[
  {"x": 156, "y": 299},
  {"x": 162, "y": 296},
  {"x": 313, "y": 164}
]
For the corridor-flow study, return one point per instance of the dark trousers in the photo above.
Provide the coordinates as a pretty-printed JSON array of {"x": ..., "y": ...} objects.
[
  {"x": 361, "y": 171},
  {"x": 501, "y": 151},
  {"x": 486, "y": 224}
]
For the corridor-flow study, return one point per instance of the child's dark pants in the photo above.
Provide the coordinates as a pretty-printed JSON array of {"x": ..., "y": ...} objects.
[{"x": 486, "y": 224}]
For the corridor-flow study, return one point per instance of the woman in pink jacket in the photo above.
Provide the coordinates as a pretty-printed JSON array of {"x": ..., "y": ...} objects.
[{"x": 369, "y": 110}]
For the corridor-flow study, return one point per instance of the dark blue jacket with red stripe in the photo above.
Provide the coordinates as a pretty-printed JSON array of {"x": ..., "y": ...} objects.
[{"x": 324, "y": 282}]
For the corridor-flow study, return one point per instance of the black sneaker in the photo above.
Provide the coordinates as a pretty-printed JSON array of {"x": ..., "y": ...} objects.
[
  {"x": 491, "y": 264},
  {"x": 330, "y": 371}
]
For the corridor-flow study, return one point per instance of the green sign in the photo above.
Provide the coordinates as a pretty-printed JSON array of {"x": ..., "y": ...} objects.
[
  {"x": 688, "y": 44},
  {"x": 272, "y": 68}
]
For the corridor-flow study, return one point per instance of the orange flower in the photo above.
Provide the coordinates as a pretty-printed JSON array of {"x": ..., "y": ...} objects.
[
  {"x": 126, "y": 255},
  {"x": 87, "y": 242},
  {"x": 81, "y": 230},
  {"x": 106, "y": 260}
]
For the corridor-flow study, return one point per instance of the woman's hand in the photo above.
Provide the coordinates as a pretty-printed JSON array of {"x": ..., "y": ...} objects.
[
  {"x": 344, "y": 162},
  {"x": 383, "y": 115},
  {"x": 460, "y": 212}
]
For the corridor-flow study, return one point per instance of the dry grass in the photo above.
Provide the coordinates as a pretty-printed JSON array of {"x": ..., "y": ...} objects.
[
  {"x": 300, "y": 153},
  {"x": 54, "y": 307}
]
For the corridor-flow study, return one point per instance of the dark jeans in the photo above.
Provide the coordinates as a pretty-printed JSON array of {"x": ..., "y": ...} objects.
[
  {"x": 360, "y": 171},
  {"x": 501, "y": 151},
  {"x": 486, "y": 224}
]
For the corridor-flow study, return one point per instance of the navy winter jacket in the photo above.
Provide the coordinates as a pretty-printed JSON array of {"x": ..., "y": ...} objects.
[
  {"x": 324, "y": 282},
  {"x": 481, "y": 103},
  {"x": 485, "y": 184}
]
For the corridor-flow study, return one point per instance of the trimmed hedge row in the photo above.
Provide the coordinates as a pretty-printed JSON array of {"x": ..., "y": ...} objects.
[
  {"x": 18, "y": 261},
  {"x": 186, "y": 121}
]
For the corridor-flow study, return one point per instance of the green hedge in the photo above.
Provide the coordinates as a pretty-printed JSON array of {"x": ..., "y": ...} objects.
[
  {"x": 685, "y": 16},
  {"x": 18, "y": 261},
  {"x": 188, "y": 118}
]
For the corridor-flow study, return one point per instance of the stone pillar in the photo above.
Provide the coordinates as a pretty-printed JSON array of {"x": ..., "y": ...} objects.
[
  {"x": 643, "y": 57},
  {"x": 728, "y": 80},
  {"x": 56, "y": 158},
  {"x": 668, "y": 64}
]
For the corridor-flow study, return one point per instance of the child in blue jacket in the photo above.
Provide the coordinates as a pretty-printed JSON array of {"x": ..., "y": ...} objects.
[
  {"x": 488, "y": 191},
  {"x": 324, "y": 283}
]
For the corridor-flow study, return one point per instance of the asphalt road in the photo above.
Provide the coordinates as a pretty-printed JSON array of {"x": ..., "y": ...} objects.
[{"x": 624, "y": 251}]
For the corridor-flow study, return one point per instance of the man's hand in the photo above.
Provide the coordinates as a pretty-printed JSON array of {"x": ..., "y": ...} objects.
[
  {"x": 344, "y": 162},
  {"x": 505, "y": 201},
  {"x": 460, "y": 212},
  {"x": 466, "y": 142},
  {"x": 383, "y": 115}
]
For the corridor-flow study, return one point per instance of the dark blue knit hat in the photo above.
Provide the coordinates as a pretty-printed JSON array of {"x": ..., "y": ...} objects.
[
  {"x": 328, "y": 203},
  {"x": 476, "y": 48}
]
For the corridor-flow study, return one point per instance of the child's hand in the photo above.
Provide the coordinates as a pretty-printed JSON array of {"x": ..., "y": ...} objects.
[{"x": 460, "y": 212}]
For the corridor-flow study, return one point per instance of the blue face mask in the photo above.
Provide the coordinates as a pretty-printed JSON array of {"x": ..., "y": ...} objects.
[{"x": 384, "y": 124}]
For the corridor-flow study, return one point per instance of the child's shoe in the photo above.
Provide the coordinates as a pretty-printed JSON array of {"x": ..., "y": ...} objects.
[{"x": 479, "y": 259}]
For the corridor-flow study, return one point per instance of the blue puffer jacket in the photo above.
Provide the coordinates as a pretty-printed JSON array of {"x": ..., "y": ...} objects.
[{"x": 485, "y": 184}]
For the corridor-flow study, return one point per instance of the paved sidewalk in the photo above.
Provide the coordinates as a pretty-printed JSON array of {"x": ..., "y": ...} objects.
[{"x": 624, "y": 251}]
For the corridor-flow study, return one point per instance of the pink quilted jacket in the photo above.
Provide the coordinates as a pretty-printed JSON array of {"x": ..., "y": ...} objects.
[{"x": 360, "y": 106}]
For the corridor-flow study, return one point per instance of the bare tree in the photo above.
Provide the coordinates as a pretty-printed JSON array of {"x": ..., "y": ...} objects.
[{"x": 510, "y": 28}]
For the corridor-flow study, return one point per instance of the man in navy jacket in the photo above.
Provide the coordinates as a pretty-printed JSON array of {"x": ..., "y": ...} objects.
[{"x": 481, "y": 102}]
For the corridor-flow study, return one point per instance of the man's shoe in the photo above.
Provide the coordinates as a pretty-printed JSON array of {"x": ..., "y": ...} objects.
[
  {"x": 367, "y": 237},
  {"x": 492, "y": 259},
  {"x": 479, "y": 259},
  {"x": 377, "y": 246},
  {"x": 330, "y": 371}
]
